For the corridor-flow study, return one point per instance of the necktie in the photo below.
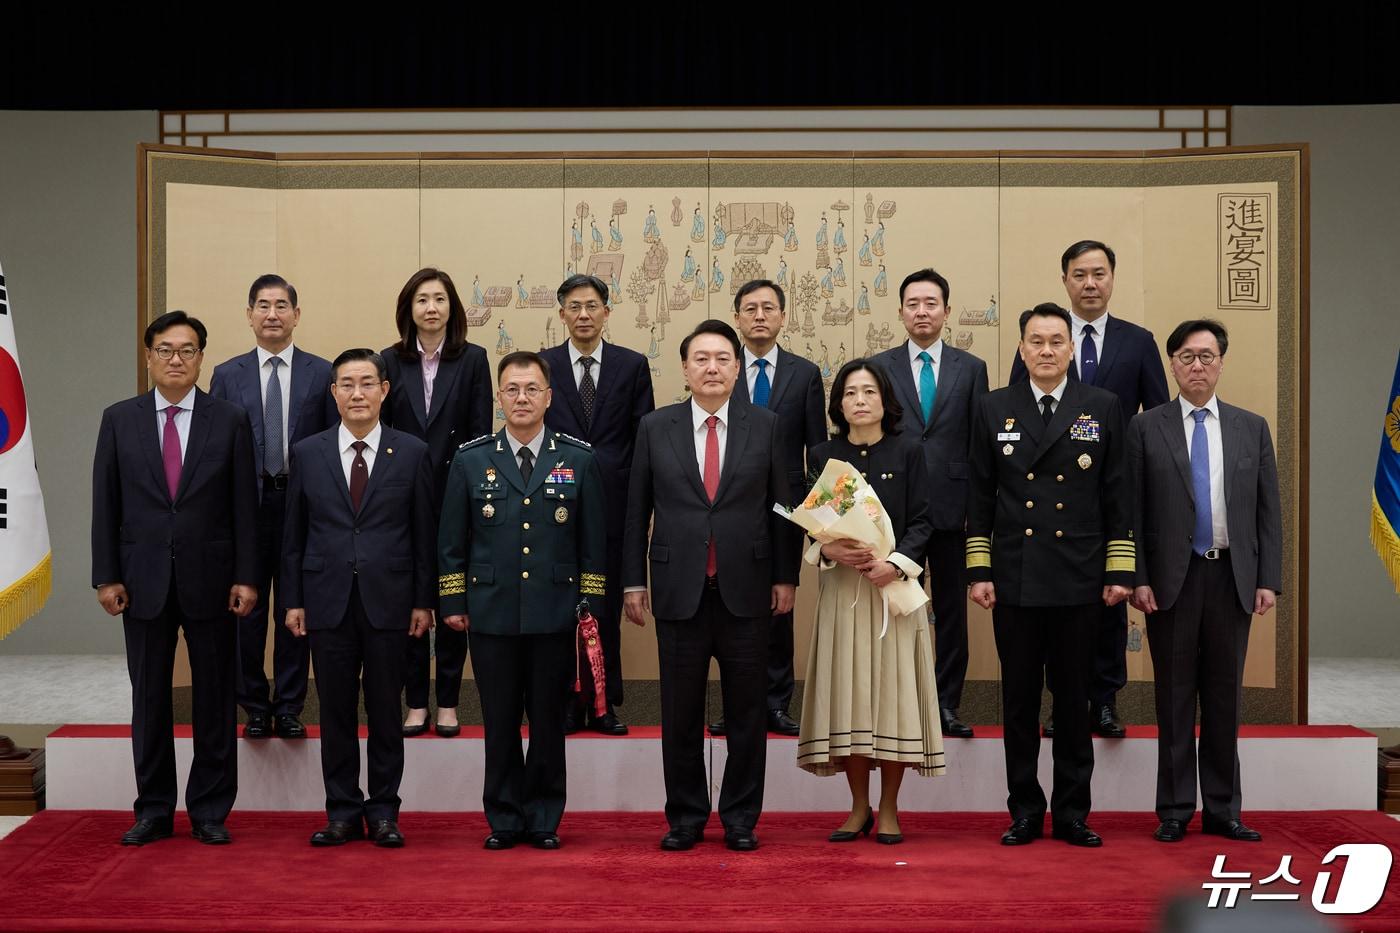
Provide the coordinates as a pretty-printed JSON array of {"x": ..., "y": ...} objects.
[
  {"x": 1202, "y": 536},
  {"x": 272, "y": 422},
  {"x": 1088, "y": 357},
  {"x": 761, "y": 386},
  {"x": 170, "y": 451},
  {"x": 359, "y": 474},
  {"x": 587, "y": 390},
  {"x": 1046, "y": 411},
  {"x": 527, "y": 463},
  {"x": 711, "y": 478},
  {"x": 928, "y": 388}
]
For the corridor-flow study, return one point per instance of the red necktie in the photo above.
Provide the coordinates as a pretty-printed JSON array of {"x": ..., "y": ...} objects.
[
  {"x": 711, "y": 478},
  {"x": 359, "y": 474},
  {"x": 170, "y": 451}
]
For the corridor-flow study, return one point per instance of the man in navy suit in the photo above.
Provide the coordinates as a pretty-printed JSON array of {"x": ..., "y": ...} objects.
[
  {"x": 357, "y": 565},
  {"x": 1121, "y": 357},
  {"x": 601, "y": 392},
  {"x": 791, "y": 388},
  {"x": 174, "y": 516},
  {"x": 939, "y": 387},
  {"x": 285, "y": 392}
]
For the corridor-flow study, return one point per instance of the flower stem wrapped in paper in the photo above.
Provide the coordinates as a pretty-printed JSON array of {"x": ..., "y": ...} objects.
[{"x": 842, "y": 505}]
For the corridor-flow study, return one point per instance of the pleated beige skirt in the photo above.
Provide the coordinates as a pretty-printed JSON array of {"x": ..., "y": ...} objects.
[{"x": 866, "y": 695}]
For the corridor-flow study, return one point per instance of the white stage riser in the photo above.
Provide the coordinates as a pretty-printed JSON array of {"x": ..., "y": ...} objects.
[{"x": 625, "y": 774}]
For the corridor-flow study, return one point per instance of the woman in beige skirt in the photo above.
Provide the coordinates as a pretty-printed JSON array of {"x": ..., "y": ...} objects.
[{"x": 870, "y": 699}]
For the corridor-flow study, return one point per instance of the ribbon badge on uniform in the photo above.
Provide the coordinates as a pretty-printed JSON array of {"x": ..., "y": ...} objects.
[
  {"x": 561, "y": 474},
  {"x": 1085, "y": 428}
]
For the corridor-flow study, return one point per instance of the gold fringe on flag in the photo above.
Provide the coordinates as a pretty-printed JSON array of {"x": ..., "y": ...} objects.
[
  {"x": 26, "y": 595},
  {"x": 1386, "y": 542}
]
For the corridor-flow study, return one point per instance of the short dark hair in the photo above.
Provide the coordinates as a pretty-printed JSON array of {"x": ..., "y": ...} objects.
[
  {"x": 749, "y": 288},
  {"x": 359, "y": 355},
  {"x": 1046, "y": 309},
  {"x": 889, "y": 424},
  {"x": 1187, "y": 328},
  {"x": 271, "y": 280},
  {"x": 522, "y": 358},
  {"x": 581, "y": 280},
  {"x": 1087, "y": 246},
  {"x": 455, "y": 341},
  {"x": 924, "y": 275},
  {"x": 174, "y": 319},
  {"x": 713, "y": 327}
]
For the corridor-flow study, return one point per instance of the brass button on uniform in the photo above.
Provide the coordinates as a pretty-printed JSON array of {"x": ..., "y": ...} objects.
[
  {"x": 1060, "y": 478},
  {"x": 1059, "y": 534},
  {"x": 527, "y": 500},
  {"x": 864, "y": 453},
  {"x": 525, "y": 525},
  {"x": 473, "y": 579},
  {"x": 1059, "y": 506},
  {"x": 1030, "y": 476},
  {"x": 1029, "y": 532},
  {"x": 524, "y": 550},
  {"x": 1030, "y": 504},
  {"x": 524, "y": 574}
]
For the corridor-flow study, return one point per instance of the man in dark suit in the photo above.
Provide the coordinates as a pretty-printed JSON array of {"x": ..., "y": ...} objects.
[
  {"x": 601, "y": 392},
  {"x": 357, "y": 564},
  {"x": 1049, "y": 543},
  {"x": 708, "y": 472},
  {"x": 174, "y": 546},
  {"x": 1205, "y": 483},
  {"x": 791, "y": 388},
  {"x": 440, "y": 392},
  {"x": 523, "y": 538},
  {"x": 1121, "y": 357},
  {"x": 939, "y": 388},
  {"x": 284, "y": 391}
]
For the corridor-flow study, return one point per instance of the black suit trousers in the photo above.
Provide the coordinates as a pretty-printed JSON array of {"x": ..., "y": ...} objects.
[
  {"x": 1030, "y": 641},
  {"x": 947, "y": 568},
  {"x": 524, "y": 792},
  {"x": 1198, "y": 650},
  {"x": 150, "y": 660},
  {"x": 450, "y": 647},
  {"x": 291, "y": 656},
  {"x": 1109, "y": 672},
  {"x": 684, "y": 647},
  {"x": 341, "y": 654}
]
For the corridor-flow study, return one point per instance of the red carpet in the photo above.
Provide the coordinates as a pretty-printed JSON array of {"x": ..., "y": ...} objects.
[{"x": 64, "y": 871}]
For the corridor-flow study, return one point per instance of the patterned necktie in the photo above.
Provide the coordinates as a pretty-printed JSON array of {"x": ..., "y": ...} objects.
[
  {"x": 1088, "y": 357},
  {"x": 359, "y": 474},
  {"x": 527, "y": 464},
  {"x": 272, "y": 422},
  {"x": 761, "y": 385},
  {"x": 170, "y": 451},
  {"x": 1046, "y": 410},
  {"x": 928, "y": 388},
  {"x": 711, "y": 478},
  {"x": 587, "y": 390},
  {"x": 1202, "y": 536}
]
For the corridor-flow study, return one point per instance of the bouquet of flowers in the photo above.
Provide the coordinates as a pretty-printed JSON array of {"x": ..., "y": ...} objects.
[{"x": 843, "y": 505}]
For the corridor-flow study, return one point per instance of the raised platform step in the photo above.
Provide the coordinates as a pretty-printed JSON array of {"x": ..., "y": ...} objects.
[{"x": 1284, "y": 768}]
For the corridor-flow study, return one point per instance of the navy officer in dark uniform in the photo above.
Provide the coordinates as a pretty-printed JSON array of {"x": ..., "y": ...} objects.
[
  {"x": 1049, "y": 543},
  {"x": 523, "y": 536}
]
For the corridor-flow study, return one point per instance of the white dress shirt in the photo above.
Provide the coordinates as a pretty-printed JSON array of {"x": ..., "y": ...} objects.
[
  {"x": 1219, "y": 532},
  {"x": 284, "y": 377},
  {"x": 182, "y": 420},
  {"x": 751, "y": 368},
  {"x": 1055, "y": 394},
  {"x": 347, "y": 451},
  {"x": 429, "y": 362},
  {"x": 535, "y": 445},
  {"x": 575, "y": 354},
  {"x": 916, "y": 365},
  {"x": 1077, "y": 332},
  {"x": 702, "y": 430}
]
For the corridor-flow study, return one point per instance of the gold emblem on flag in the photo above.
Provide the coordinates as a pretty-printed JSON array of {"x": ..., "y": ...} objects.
[
  {"x": 1085, "y": 461},
  {"x": 561, "y": 515}
]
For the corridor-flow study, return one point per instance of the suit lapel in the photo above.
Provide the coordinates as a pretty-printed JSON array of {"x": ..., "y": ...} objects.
[
  {"x": 412, "y": 375},
  {"x": 1027, "y": 414},
  {"x": 506, "y": 464},
  {"x": 683, "y": 441},
  {"x": 903, "y": 379},
  {"x": 1229, "y": 447},
  {"x": 300, "y": 389},
  {"x": 383, "y": 465},
  {"x": 1110, "y": 342},
  {"x": 564, "y": 371},
  {"x": 250, "y": 389},
  {"x": 947, "y": 379},
  {"x": 734, "y": 445},
  {"x": 607, "y": 378},
  {"x": 149, "y": 439},
  {"x": 1174, "y": 434},
  {"x": 443, "y": 384},
  {"x": 782, "y": 379},
  {"x": 1065, "y": 413},
  {"x": 330, "y": 449},
  {"x": 199, "y": 433}
]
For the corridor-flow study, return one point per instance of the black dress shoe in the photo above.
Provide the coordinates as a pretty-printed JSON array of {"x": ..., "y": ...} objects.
[
  {"x": 257, "y": 727},
  {"x": 447, "y": 730},
  {"x": 717, "y": 727},
  {"x": 211, "y": 834},
  {"x": 1233, "y": 829},
  {"x": 410, "y": 731},
  {"x": 1048, "y": 730},
  {"x": 545, "y": 840},
  {"x": 337, "y": 833},
  {"x": 1078, "y": 833},
  {"x": 288, "y": 727},
  {"x": 498, "y": 841},
  {"x": 1170, "y": 831},
  {"x": 1106, "y": 722},
  {"x": 741, "y": 841},
  {"x": 953, "y": 726},
  {"x": 146, "y": 831},
  {"x": 680, "y": 840},
  {"x": 1022, "y": 832},
  {"x": 386, "y": 834},
  {"x": 608, "y": 724},
  {"x": 573, "y": 717},
  {"x": 780, "y": 722},
  {"x": 846, "y": 835}
]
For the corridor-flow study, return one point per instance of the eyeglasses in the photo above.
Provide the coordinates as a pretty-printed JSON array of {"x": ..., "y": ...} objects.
[
  {"x": 756, "y": 310},
  {"x": 1187, "y": 358},
  {"x": 592, "y": 307},
  {"x": 532, "y": 392},
  {"x": 185, "y": 353}
]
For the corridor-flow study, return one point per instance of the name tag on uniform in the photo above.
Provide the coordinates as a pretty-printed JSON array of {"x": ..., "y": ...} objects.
[
  {"x": 1084, "y": 428},
  {"x": 1009, "y": 436}
]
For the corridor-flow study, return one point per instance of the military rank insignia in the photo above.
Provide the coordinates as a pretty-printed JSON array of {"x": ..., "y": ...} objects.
[
  {"x": 1085, "y": 428},
  {"x": 1009, "y": 423},
  {"x": 490, "y": 474}
]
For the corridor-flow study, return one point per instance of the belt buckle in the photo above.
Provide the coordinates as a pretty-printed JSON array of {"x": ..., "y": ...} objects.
[{"x": 1212, "y": 553}]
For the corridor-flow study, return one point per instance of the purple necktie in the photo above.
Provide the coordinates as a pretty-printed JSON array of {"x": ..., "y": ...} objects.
[{"x": 170, "y": 451}]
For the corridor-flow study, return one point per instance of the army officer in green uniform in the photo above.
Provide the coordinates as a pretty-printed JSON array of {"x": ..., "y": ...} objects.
[{"x": 522, "y": 539}]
